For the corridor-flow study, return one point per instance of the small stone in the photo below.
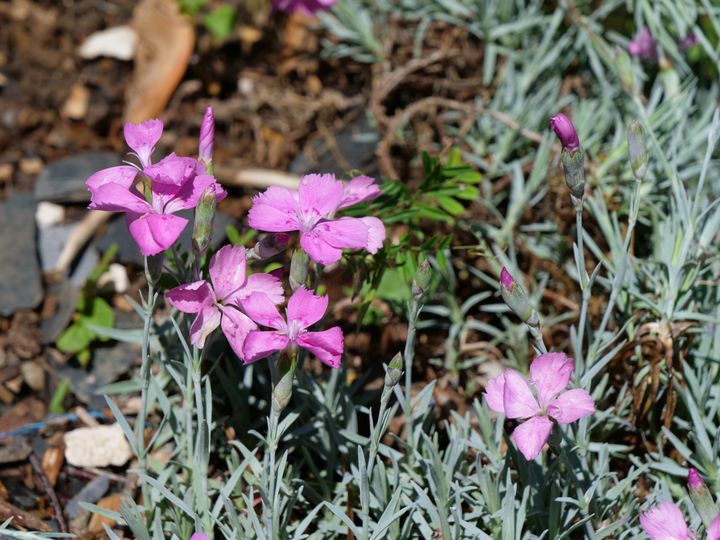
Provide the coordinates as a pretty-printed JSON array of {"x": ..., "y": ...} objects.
[
  {"x": 17, "y": 450},
  {"x": 99, "y": 446},
  {"x": 52, "y": 462},
  {"x": 33, "y": 374},
  {"x": 31, "y": 166},
  {"x": 90, "y": 493},
  {"x": 20, "y": 279},
  {"x": 117, "y": 42},
  {"x": 115, "y": 277},
  {"x": 65, "y": 294},
  {"x": 76, "y": 104},
  {"x": 48, "y": 214},
  {"x": 64, "y": 180}
]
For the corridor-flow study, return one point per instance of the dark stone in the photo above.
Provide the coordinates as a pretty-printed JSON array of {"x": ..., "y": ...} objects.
[
  {"x": 90, "y": 493},
  {"x": 108, "y": 364},
  {"x": 66, "y": 294},
  {"x": 64, "y": 180},
  {"x": 20, "y": 279},
  {"x": 128, "y": 250},
  {"x": 355, "y": 143}
]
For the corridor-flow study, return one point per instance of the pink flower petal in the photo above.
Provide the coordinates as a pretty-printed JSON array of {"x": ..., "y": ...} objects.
[
  {"x": 665, "y": 522},
  {"x": 518, "y": 400},
  {"x": 189, "y": 194},
  {"x": 531, "y": 436},
  {"x": 143, "y": 137},
  {"x": 571, "y": 405},
  {"x": 261, "y": 310},
  {"x": 227, "y": 270},
  {"x": 359, "y": 189},
  {"x": 173, "y": 170},
  {"x": 318, "y": 249},
  {"x": 346, "y": 232},
  {"x": 319, "y": 194},
  {"x": 376, "y": 233},
  {"x": 236, "y": 326},
  {"x": 261, "y": 344},
  {"x": 191, "y": 297},
  {"x": 305, "y": 307},
  {"x": 327, "y": 346},
  {"x": 123, "y": 175},
  {"x": 155, "y": 232},
  {"x": 550, "y": 373},
  {"x": 494, "y": 391},
  {"x": 275, "y": 210},
  {"x": 267, "y": 284},
  {"x": 204, "y": 324},
  {"x": 713, "y": 530},
  {"x": 116, "y": 198}
]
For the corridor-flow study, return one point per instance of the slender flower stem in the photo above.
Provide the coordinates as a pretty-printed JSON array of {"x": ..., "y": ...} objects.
[
  {"x": 145, "y": 372},
  {"x": 408, "y": 355}
]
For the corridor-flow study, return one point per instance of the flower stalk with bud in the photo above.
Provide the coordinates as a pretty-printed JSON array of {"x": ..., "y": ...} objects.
[{"x": 519, "y": 303}]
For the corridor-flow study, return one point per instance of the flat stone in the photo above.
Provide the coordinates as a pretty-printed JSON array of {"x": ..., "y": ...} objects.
[
  {"x": 355, "y": 143},
  {"x": 66, "y": 294},
  {"x": 128, "y": 250},
  {"x": 90, "y": 493},
  {"x": 64, "y": 180},
  {"x": 20, "y": 279},
  {"x": 108, "y": 364}
]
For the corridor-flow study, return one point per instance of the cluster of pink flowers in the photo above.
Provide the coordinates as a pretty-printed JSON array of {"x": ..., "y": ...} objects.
[
  {"x": 151, "y": 193},
  {"x": 239, "y": 302},
  {"x": 512, "y": 394}
]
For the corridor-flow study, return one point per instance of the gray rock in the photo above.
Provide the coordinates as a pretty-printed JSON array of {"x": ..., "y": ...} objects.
[
  {"x": 90, "y": 493},
  {"x": 108, "y": 364},
  {"x": 64, "y": 180},
  {"x": 52, "y": 327},
  {"x": 356, "y": 144},
  {"x": 128, "y": 251},
  {"x": 20, "y": 279}
]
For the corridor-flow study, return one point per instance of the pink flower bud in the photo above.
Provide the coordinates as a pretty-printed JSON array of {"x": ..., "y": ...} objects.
[
  {"x": 695, "y": 482},
  {"x": 506, "y": 280},
  {"x": 199, "y": 536},
  {"x": 565, "y": 131},
  {"x": 644, "y": 45},
  {"x": 207, "y": 136}
]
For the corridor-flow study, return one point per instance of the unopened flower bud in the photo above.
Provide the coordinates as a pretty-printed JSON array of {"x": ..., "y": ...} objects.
[
  {"x": 637, "y": 149},
  {"x": 573, "y": 157},
  {"x": 299, "y": 269},
  {"x": 701, "y": 497},
  {"x": 623, "y": 65},
  {"x": 207, "y": 140},
  {"x": 422, "y": 280},
  {"x": 270, "y": 245},
  {"x": 517, "y": 299},
  {"x": 565, "y": 131},
  {"x": 284, "y": 373},
  {"x": 154, "y": 267},
  {"x": 394, "y": 371},
  {"x": 204, "y": 216}
]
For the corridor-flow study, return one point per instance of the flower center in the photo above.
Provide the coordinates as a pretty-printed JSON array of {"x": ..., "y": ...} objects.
[{"x": 294, "y": 330}]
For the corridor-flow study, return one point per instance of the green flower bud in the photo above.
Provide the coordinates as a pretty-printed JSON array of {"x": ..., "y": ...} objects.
[
  {"x": 422, "y": 280},
  {"x": 282, "y": 379},
  {"x": 204, "y": 216},
  {"x": 154, "y": 267},
  {"x": 637, "y": 149},
  {"x": 623, "y": 65},
  {"x": 574, "y": 166},
  {"x": 394, "y": 371},
  {"x": 299, "y": 269}
]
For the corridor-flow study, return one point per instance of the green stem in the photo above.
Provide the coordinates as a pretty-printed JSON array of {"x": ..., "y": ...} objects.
[
  {"x": 145, "y": 372},
  {"x": 409, "y": 355}
]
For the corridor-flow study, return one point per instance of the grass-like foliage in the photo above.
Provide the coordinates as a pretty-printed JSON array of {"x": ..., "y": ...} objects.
[{"x": 618, "y": 269}]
